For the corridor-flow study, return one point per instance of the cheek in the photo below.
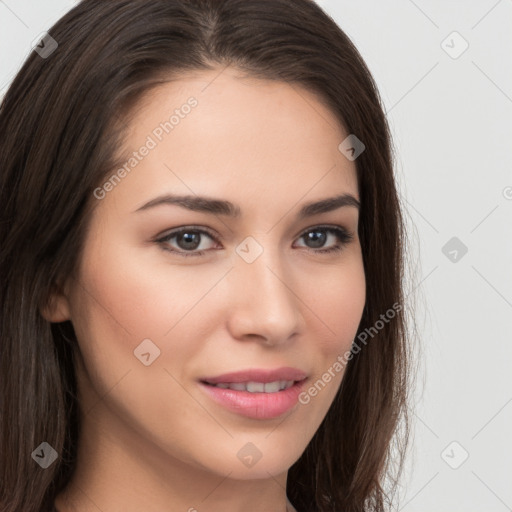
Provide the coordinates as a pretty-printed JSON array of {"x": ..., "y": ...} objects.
[
  {"x": 114, "y": 308},
  {"x": 144, "y": 299},
  {"x": 337, "y": 302},
  {"x": 123, "y": 298},
  {"x": 336, "y": 314}
]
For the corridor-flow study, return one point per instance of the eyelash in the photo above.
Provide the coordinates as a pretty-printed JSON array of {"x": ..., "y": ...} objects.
[{"x": 343, "y": 236}]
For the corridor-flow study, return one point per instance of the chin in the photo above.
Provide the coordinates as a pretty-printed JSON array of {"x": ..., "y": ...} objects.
[{"x": 271, "y": 462}]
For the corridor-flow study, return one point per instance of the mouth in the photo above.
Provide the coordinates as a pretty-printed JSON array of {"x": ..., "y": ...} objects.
[
  {"x": 255, "y": 387},
  {"x": 255, "y": 377},
  {"x": 263, "y": 398}
]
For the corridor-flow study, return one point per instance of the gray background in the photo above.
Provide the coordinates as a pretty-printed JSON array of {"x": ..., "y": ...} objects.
[{"x": 451, "y": 118}]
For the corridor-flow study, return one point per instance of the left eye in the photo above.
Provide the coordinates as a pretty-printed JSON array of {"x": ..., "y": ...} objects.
[{"x": 188, "y": 239}]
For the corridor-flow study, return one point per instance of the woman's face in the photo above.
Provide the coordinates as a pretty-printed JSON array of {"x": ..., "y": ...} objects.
[{"x": 156, "y": 314}]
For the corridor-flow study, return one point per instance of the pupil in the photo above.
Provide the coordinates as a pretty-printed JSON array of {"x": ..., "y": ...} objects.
[
  {"x": 319, "y": 241},
  {"x": 189, "y": 240}
]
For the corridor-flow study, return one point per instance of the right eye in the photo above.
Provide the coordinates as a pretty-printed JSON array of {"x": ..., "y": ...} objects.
[{"x": 188, "y": 238}]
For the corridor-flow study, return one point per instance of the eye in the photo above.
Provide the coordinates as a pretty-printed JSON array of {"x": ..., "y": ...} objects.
[
  {"x": 188, "y": 240},
  {"x": 318, "y": 236}
]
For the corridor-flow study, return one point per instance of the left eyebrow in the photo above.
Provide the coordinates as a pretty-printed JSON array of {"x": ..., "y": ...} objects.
[
  {"x": 221, "y": 207},
  {"x": 327, "y": 205}
]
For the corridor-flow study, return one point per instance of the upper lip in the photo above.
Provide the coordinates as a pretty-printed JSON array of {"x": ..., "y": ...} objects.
[{"x": 258, "y": 375}]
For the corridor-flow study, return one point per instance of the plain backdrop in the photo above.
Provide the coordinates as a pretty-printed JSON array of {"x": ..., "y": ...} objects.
[{"x": 444, "y": 71}]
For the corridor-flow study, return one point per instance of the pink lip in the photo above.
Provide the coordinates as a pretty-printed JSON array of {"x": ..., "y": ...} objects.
[
  {"x": 256, "y": 405},
  {"x": 260, "y": 406},
  {"x": 258, "y": 375}
]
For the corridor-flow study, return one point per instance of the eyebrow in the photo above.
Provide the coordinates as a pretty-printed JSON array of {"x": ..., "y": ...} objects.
[{"x": 221, "y": 207}]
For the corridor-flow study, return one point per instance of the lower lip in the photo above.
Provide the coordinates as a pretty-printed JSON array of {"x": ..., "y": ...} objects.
[{"x": 260, "y": 406}]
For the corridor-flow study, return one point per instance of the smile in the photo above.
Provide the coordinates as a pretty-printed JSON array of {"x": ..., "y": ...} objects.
[
  {"x": 256, "y": 387},
  {"x": 256, "y": 400}
]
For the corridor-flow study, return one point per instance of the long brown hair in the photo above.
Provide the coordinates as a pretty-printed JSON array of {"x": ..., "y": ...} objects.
[{"x": 60, "y": 126}]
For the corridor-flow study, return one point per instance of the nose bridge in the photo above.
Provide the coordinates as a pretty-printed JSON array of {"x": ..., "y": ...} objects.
[{"x": 266, "y": 304}]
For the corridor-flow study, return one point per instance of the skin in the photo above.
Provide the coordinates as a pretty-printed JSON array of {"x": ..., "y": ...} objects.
[{"x": 151, "y": 438}]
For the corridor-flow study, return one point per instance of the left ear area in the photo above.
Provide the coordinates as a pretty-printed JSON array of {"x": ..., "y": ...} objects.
[{"x": 56, "y": 308}]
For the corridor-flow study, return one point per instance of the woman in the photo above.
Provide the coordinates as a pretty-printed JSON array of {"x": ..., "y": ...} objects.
[{"x": 201, "y": 265}]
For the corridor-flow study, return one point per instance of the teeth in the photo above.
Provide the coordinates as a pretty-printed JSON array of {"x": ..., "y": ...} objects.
[
  {"x": 257, "y": 387},
  {"x": 270, "y": 387}
]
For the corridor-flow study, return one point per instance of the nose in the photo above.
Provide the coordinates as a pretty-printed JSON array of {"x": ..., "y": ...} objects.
[{"x": 263, "y": 303}]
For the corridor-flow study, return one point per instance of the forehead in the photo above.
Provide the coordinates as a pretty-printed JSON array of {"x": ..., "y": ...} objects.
[{"x": 219, "y": 133}]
